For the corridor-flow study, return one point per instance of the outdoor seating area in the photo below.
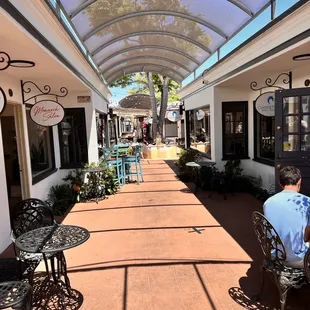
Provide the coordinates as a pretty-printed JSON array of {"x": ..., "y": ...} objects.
[
  {"x": 126, "y": 165},
  {"x": 37, "y": 237},
  {"x": 155, "y": 246}
]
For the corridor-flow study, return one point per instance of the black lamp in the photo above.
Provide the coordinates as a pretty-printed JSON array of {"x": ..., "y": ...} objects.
[
  {"x": 6, "y": 61},
  {"x": 301, "y": 57},
  {"x": 111, "y": 113},
  {"x": 181, "y": 109}
]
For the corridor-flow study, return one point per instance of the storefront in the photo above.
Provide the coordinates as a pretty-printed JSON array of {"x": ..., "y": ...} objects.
[{"x": 38, "y": 147}]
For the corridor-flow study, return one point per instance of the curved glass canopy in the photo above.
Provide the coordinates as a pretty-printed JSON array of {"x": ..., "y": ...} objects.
[{"x": 172, "y": 36}]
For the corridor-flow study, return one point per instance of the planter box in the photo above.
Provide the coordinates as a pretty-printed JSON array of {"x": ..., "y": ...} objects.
[{"x": 161, "y": 152}]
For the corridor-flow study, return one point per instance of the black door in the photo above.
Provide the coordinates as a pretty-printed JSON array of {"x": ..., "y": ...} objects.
[{"x": 292, "y": 137}]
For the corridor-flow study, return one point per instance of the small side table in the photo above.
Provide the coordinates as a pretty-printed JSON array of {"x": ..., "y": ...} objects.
[
  {"x": 15, "y": 294},
  {"x": 196, "y": 168}
]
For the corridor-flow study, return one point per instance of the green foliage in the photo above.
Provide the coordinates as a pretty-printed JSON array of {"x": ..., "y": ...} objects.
[
  {"x": 124, "y": 81},
  {"x": 60, "y": 197},
  {"x": 184, "y": 172},
  {"x": 75, "y": 177},
  {"x": 232, "y": 168}
]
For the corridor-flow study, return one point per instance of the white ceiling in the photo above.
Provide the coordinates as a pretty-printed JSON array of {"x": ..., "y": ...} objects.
[{"x": 47, "y": 69}]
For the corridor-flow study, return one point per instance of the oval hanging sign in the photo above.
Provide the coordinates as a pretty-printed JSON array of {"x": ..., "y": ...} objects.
[
  {"x": 173, "y": 116},
  {"x": 47, "y": 113},
  {"x": 200, "y": 114},
  {"x": 265, "y": 104},
  {"x": 2, "y": 100}
]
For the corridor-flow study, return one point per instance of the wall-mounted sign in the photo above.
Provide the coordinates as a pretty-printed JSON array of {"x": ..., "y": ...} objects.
[
  {"x": 173, "y": 116},
  {"x": 200, "y": 114},
  {"x": 265, "y": 104},
  {"x": 2, "y": 100},
  {"x": 83, "y": 99},
  {"x": 47, "y": 113}
]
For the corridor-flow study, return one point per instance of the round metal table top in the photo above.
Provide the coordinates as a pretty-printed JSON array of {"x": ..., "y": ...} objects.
[
  {"x": 199, "y": 164},
  {"x": 13, "y": 293},
  {"x": 52, "y": 239}
]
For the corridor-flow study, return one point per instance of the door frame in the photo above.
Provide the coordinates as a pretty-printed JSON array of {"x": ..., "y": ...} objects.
[
  {"x": 20, "y": 126},
  {"x": 298, "y": 158}
]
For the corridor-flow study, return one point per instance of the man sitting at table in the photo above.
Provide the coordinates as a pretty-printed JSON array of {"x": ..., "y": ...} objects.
[{"x": 289, "y": 213}]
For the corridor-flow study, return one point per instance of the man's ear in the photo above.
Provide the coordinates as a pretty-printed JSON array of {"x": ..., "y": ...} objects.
[{"x": 299, "y": 184}]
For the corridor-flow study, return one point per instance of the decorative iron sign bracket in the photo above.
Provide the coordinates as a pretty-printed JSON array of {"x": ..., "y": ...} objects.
[
  {"x": 265, "y": 102},
  {"x": 286, "y": 78},
  {"x": 45, "y": 110}
]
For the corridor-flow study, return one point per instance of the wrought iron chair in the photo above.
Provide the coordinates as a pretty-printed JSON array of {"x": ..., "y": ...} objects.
[
  {"x": 283, "y": 276},
  {"x": 28, "y": 215}
]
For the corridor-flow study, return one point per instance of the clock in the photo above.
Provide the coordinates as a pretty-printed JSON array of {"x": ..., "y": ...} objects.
[{"x": 2, "y": 100}]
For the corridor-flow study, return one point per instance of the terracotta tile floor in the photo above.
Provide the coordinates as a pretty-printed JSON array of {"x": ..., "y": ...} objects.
[{"x": 156, "y": 246}]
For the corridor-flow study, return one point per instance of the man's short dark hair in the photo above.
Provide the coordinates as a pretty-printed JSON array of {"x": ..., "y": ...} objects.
[{"x": 289, "y": 175}]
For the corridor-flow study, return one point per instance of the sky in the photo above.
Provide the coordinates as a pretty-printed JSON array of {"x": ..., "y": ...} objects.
[{"x": 263, "y": 19}]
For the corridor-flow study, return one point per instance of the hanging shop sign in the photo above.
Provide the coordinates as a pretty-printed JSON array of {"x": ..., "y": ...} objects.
[
  {"x": 200, "y": 114},
  {"x": 265, "y": 104},
  {"x": 174, "y": 116},
  {"x": 2, "y": 100},
  {"x": 47, "y": 113}
]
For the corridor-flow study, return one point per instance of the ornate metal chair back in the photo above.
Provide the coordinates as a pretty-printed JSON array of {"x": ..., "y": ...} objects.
[
  {"x": 30, "y": 214},
  {"x": 269, "y": 240},
  {"x": 307, "y": 265}
]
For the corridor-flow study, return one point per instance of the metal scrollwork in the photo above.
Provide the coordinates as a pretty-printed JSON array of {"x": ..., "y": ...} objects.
[
  {"x": 4, "y": 61},
  {"x": 285, "y": 78},
  {"x": 29, "y": 86}
]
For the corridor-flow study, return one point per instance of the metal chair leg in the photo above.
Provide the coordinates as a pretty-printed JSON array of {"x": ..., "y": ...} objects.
[
  {"x": 137, "y": 172},
  {"x": 141, "y": 172}
]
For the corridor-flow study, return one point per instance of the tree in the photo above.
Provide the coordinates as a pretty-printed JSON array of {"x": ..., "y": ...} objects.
[{"x": 158, "y": 87}]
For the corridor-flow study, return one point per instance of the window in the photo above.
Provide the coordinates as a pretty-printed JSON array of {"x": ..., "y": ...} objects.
[
  {"x": 101, "y": 128},
  {"x": 235, "y": 130},
  {"x": 264, "y": 141},
  {"x": 199, "y": 125},
  {"x": 41, "y": 149},
  {"x": 72, "y": 139}
]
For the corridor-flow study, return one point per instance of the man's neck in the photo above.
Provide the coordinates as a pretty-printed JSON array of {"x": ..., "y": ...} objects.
[{"x": 293, "y": 188}]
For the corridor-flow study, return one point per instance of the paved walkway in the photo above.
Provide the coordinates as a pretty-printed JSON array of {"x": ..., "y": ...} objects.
[{"x": 156, "y": 246}]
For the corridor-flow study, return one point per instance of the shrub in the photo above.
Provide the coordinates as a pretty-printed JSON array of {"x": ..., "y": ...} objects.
[
  {"x": 185, "y": 157},
  {"x": 60, "y": 197}
]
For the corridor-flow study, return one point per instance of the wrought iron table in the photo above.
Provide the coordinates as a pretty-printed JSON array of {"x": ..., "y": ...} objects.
[
  {"x": 196, "y": 166},
  {"x": 54, "y": 239},
  {"x": 15, "y": 294}
]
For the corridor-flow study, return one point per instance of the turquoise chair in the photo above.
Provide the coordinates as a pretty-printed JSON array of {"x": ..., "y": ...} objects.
[
  {"x": 129, "y": 161},
  {"x": 111, "y": 158}
]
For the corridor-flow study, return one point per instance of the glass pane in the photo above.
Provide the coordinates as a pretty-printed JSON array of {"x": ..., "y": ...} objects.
[
  {"x": 305, "y": 123},
  {"x": 239, "y": 116},
  {"x": 290, "y": 143},
  {"x": 239, "y": 127},
  {"x": 305, "y": 104},
  {"x": 290, "y": 124},
  {"x": 40, "y": 146},
  {"x": 290, "y": 105},
  {"x": 305, "y": 143}
]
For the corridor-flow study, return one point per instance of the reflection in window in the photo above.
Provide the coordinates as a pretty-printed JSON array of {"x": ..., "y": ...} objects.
[
  {"x": 235, "y": 130},
  {"x": 41, "y": 146},
  {"x": 264, "y": 132},
  {"x": 100, "y": 125},
  {"x": 72, "y": 138},
  {"x": 200, "y": 133}
]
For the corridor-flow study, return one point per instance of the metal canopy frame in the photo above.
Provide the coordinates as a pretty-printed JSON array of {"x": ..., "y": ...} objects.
[
  {"x": 219, "y": 32},
  {"x": 146, "y": 57},
  {"x": 163, "y": 68},
  {"x": 145, "y": 13},
  {"x": 138, "y": 47},
  {"x": 152, "y": 32}
]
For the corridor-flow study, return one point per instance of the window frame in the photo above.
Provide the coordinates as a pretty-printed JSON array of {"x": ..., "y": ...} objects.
[
  {"x": 225, "y": 108},
  {"x": 262, "y": 160},
  {"x": 41, "y": 176},
  {"x": 73, "y": 165}
]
